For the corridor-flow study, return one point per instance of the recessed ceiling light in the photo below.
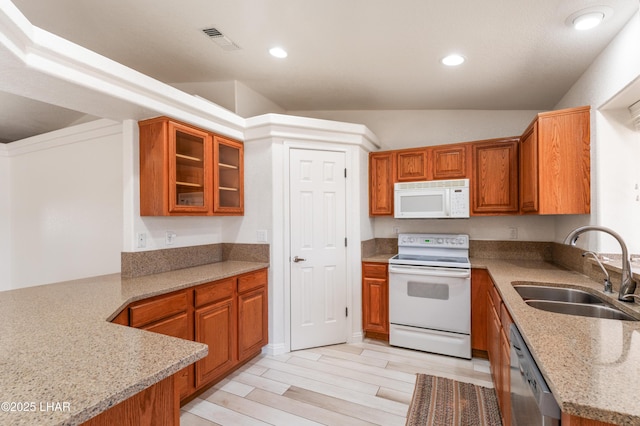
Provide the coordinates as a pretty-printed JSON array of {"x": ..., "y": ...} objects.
[
  {"x": 588, "y": 21},
  {"x": 588, "y": 18},
  {"x": 452, "y": 60},
  {"x": 278, "y": 52}
]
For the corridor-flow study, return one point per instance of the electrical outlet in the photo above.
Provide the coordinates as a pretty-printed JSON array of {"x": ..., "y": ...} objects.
[
  {"x": 142, "y": 240},
  {"x": 261, "y": 236},
  {"x": 513, "y": 233},
  {"x": 396, "y": 229},
  {"x": 170, "y": 237}
]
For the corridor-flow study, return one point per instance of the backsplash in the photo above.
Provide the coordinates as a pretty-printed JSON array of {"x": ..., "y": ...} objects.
[
  {"x": 529, "y": 250},
  {"x": 571, "y": 258},
  {"x": 136, "y": 264},
  {"x": 379, "y": 246},
  {"x": 563, "y": 255},
  {"x": 510, "y": 250}
]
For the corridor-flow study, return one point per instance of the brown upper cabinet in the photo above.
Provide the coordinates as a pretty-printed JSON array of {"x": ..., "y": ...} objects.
[
  {"x": 544, "y": 171},
  {"x": 411, "y": 165},
  {"x": 433, "y": 163},
  {"x": 451, "y": 161},
  {"x": 381, "y": 180},
  {"x": 180, "y": 171},
  {"x": 228, "y": 179},
  {"x": 555, "y": 163},
  {"x": 494, "y": 186}
]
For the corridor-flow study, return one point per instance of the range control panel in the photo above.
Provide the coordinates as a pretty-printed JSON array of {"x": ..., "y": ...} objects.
[{"x": 460, "y": 241}]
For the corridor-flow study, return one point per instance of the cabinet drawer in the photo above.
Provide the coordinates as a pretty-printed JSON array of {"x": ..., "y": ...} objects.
[
  {"x": 505, "y": 319},
  {"x": 157, "y": 309},
  {"x": 495, "y": 297},
  {"x": 177, "y": 326},
  {"x": 251, "y": 281},
  {"x": 374, "y": 270},
  {"x": 219, "y": 290}
]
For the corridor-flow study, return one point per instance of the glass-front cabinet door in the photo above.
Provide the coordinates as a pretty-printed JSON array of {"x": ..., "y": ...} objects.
[
  {"x": 189, "y": 169},
  {"x": 228, "y": 176}
]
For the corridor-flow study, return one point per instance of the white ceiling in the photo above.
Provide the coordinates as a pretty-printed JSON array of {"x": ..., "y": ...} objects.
[{"x": 356, "y": 54}]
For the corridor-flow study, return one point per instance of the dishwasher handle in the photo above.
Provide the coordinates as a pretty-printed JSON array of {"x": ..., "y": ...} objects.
[{"x": 430, "y": 271}]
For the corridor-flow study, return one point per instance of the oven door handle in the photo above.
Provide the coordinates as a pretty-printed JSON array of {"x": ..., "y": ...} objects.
[{"x": 430, "y": 271}]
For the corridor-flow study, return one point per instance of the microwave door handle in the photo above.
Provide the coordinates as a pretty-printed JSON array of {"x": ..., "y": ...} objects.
[{"x": 447, "y": 202}]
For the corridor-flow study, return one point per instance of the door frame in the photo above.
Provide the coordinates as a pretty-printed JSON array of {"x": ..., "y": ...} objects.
[{"x": 351, "y": 219}]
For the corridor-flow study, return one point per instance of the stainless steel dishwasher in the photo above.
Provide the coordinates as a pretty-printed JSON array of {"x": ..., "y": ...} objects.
[{"x": 531, "y": 400}]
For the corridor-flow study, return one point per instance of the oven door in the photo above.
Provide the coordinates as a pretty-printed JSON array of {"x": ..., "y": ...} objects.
[{"x": 430, "y": 297}]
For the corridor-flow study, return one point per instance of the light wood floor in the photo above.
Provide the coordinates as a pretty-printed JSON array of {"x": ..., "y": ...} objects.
[{"x": 352, "y": 384}]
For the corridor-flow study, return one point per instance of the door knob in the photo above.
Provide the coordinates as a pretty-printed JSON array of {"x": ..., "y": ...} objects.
[{"x": 298, "y": 259}]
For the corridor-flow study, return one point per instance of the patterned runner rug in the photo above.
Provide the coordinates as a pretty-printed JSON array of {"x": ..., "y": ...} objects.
[{"x": 444, "y": 402}]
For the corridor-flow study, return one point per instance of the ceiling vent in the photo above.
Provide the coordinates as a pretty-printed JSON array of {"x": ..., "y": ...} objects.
[{"x": 220, "y": 39}]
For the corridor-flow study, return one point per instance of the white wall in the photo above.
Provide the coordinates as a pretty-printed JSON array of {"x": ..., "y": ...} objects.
[
  {"x": 5, "y": 219},
  {"x": 366, "y": 222},
  {"x": 615, "y": 147},
  {"x": 258, "y": 195},
  {"x": 414, "y": 128},
  {"x": 222, "y": 93},
  {"x": 250, "y": 103},
  {"x": 66, "y": 205},
  {"x": 232, "y": 95},
  {"x": 528, "y": 228}
]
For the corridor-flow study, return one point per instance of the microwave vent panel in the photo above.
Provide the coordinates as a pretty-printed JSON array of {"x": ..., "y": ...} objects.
[{"x": 433, "y": 184}]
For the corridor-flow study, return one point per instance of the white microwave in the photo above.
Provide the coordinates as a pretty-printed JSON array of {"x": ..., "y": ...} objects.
[{"x": 432, "y": 199}]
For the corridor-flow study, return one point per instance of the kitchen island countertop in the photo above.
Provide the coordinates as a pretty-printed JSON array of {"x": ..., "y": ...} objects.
[{"x": 62, "y": 361}]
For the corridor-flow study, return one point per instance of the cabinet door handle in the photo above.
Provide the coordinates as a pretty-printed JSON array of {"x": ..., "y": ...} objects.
[{"x": 298, "y": 259}]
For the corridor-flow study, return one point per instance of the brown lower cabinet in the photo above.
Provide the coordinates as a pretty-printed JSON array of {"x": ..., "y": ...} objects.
[
  {"x": 499, "y": 355},
  {"x": 490, "y": 323},
  {"x": 375, "y": 300},
  {"x": 229, "y": 315},
  {"x": 480, "y": 282},
  {"x": 157, "y": 405},
  {"x": 216, "y": 325}
]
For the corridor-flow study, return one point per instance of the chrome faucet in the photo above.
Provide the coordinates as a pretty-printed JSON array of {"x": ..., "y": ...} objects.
[
  {"x": 628, "y": 285},
  {"x": 608, "y": 288}
]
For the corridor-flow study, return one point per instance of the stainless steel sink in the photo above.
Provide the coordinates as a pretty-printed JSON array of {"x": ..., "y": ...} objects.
[
  {"x": 569, "y": 301},
  {"x": 581, "y": 309},
  {"x": 558, "y": 294}
]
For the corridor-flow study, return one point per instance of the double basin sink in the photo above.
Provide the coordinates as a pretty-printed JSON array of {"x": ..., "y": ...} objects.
[{"x": 569, "y": 301}]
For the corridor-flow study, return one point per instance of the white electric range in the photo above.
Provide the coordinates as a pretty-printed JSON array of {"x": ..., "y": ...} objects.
[{"x": 430, "y": 294}]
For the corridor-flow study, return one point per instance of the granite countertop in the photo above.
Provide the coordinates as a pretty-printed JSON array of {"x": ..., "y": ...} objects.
[
  {"x": 591, "y": 365},
  {"x": 62, "y": 361},
  {"x": 379, "y": 257}
]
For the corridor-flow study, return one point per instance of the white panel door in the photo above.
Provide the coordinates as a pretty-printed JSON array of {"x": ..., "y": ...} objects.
[{"x": 318, "y": 253}]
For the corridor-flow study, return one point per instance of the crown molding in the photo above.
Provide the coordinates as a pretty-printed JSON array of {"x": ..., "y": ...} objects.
[{"x": 306, "y": 129}]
